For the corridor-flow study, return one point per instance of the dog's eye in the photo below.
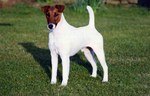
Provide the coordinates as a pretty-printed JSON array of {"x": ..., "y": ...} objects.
[
  {"x": 56, "y": 14},
  {"x": 47, "y": 14}
]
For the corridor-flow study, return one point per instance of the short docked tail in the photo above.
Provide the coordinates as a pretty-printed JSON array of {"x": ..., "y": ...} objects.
[{"x": 91, "y": 16}]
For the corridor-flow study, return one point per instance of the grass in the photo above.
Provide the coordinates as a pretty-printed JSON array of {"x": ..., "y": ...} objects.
[{"x": 25, "y": 68}]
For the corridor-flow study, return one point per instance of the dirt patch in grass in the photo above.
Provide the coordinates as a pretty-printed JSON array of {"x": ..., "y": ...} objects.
[{"x": 8, "y": 3}]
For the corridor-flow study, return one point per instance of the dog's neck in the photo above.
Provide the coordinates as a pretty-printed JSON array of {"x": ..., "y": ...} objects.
[{"x": 62, "y": 23}]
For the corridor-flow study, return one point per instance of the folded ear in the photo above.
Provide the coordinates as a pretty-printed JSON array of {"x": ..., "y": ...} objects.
[
  {"x": 45, "y": 8},
  {"x": 60, "y": 8}
]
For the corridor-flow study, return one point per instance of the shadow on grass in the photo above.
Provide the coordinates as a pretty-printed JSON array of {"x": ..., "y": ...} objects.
[
  {"x": 42, "y": 56},
  {"x": 6, "y": 24},
  {"x": 79, "y": 60}
]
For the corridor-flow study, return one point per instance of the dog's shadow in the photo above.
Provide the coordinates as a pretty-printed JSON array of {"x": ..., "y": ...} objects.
[{"x": 42, "y": 56}]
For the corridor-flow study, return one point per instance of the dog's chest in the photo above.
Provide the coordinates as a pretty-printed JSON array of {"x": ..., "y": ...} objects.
[
  {"x": 52, "y": 43},
  {"x": 69, "y": 44},
  {"x": 57, "y": 42}
]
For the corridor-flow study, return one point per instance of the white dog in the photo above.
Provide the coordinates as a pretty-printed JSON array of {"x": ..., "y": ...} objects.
[{"x": 66, "y": 40}]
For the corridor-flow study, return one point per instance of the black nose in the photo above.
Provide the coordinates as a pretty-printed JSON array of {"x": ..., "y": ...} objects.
[{"x": 50, "y": 26}]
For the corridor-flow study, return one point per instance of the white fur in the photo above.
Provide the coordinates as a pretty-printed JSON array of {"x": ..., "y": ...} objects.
[{"x": 66, "y": 41}]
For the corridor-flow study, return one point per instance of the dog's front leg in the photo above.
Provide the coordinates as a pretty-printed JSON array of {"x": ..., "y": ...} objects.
[
  {"x": 54, "y": 61},
  {"x": 66, "y": 68}
]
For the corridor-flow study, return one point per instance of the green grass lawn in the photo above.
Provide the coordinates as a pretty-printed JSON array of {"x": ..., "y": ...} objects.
[{"x": 25, "y": 68}]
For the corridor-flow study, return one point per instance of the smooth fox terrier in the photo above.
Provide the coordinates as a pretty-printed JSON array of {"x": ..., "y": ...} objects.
[{"x": 66, "y": 40}]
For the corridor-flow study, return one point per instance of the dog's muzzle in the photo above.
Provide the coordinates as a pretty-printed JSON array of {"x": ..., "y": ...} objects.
[{"x": 51, "y": 26}]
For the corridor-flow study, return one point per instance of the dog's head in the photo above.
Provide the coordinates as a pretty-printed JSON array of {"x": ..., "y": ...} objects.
[{"x": 53, "y": 15}]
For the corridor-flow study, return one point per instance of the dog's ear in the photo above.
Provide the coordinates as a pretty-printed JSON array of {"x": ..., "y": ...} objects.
[
  {"x": 45, "y": 8},
  {"x": 60, "y": 8}
]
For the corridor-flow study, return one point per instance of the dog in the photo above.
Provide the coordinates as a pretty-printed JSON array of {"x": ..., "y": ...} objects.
[{"x": 66, "y": 40}]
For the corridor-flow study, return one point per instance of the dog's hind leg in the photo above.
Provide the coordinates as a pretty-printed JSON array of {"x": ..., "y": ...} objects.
[
  {"x": 101, "y": 57},
  {"x": 89, "y": 54}
]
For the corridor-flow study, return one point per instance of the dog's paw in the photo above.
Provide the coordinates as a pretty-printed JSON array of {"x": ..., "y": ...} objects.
[
  {"x": 105, "y": 81},
  {"x": 53, "y": 82},
  {"x": 93, "y": 75},
  {"x": 63, "y": 84}
]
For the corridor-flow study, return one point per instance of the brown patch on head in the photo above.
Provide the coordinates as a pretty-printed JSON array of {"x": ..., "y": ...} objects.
[{"x": 53, "y": 13}]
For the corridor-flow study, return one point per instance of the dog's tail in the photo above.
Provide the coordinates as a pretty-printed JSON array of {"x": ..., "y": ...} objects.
[{"x": 91, "y": 16}]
